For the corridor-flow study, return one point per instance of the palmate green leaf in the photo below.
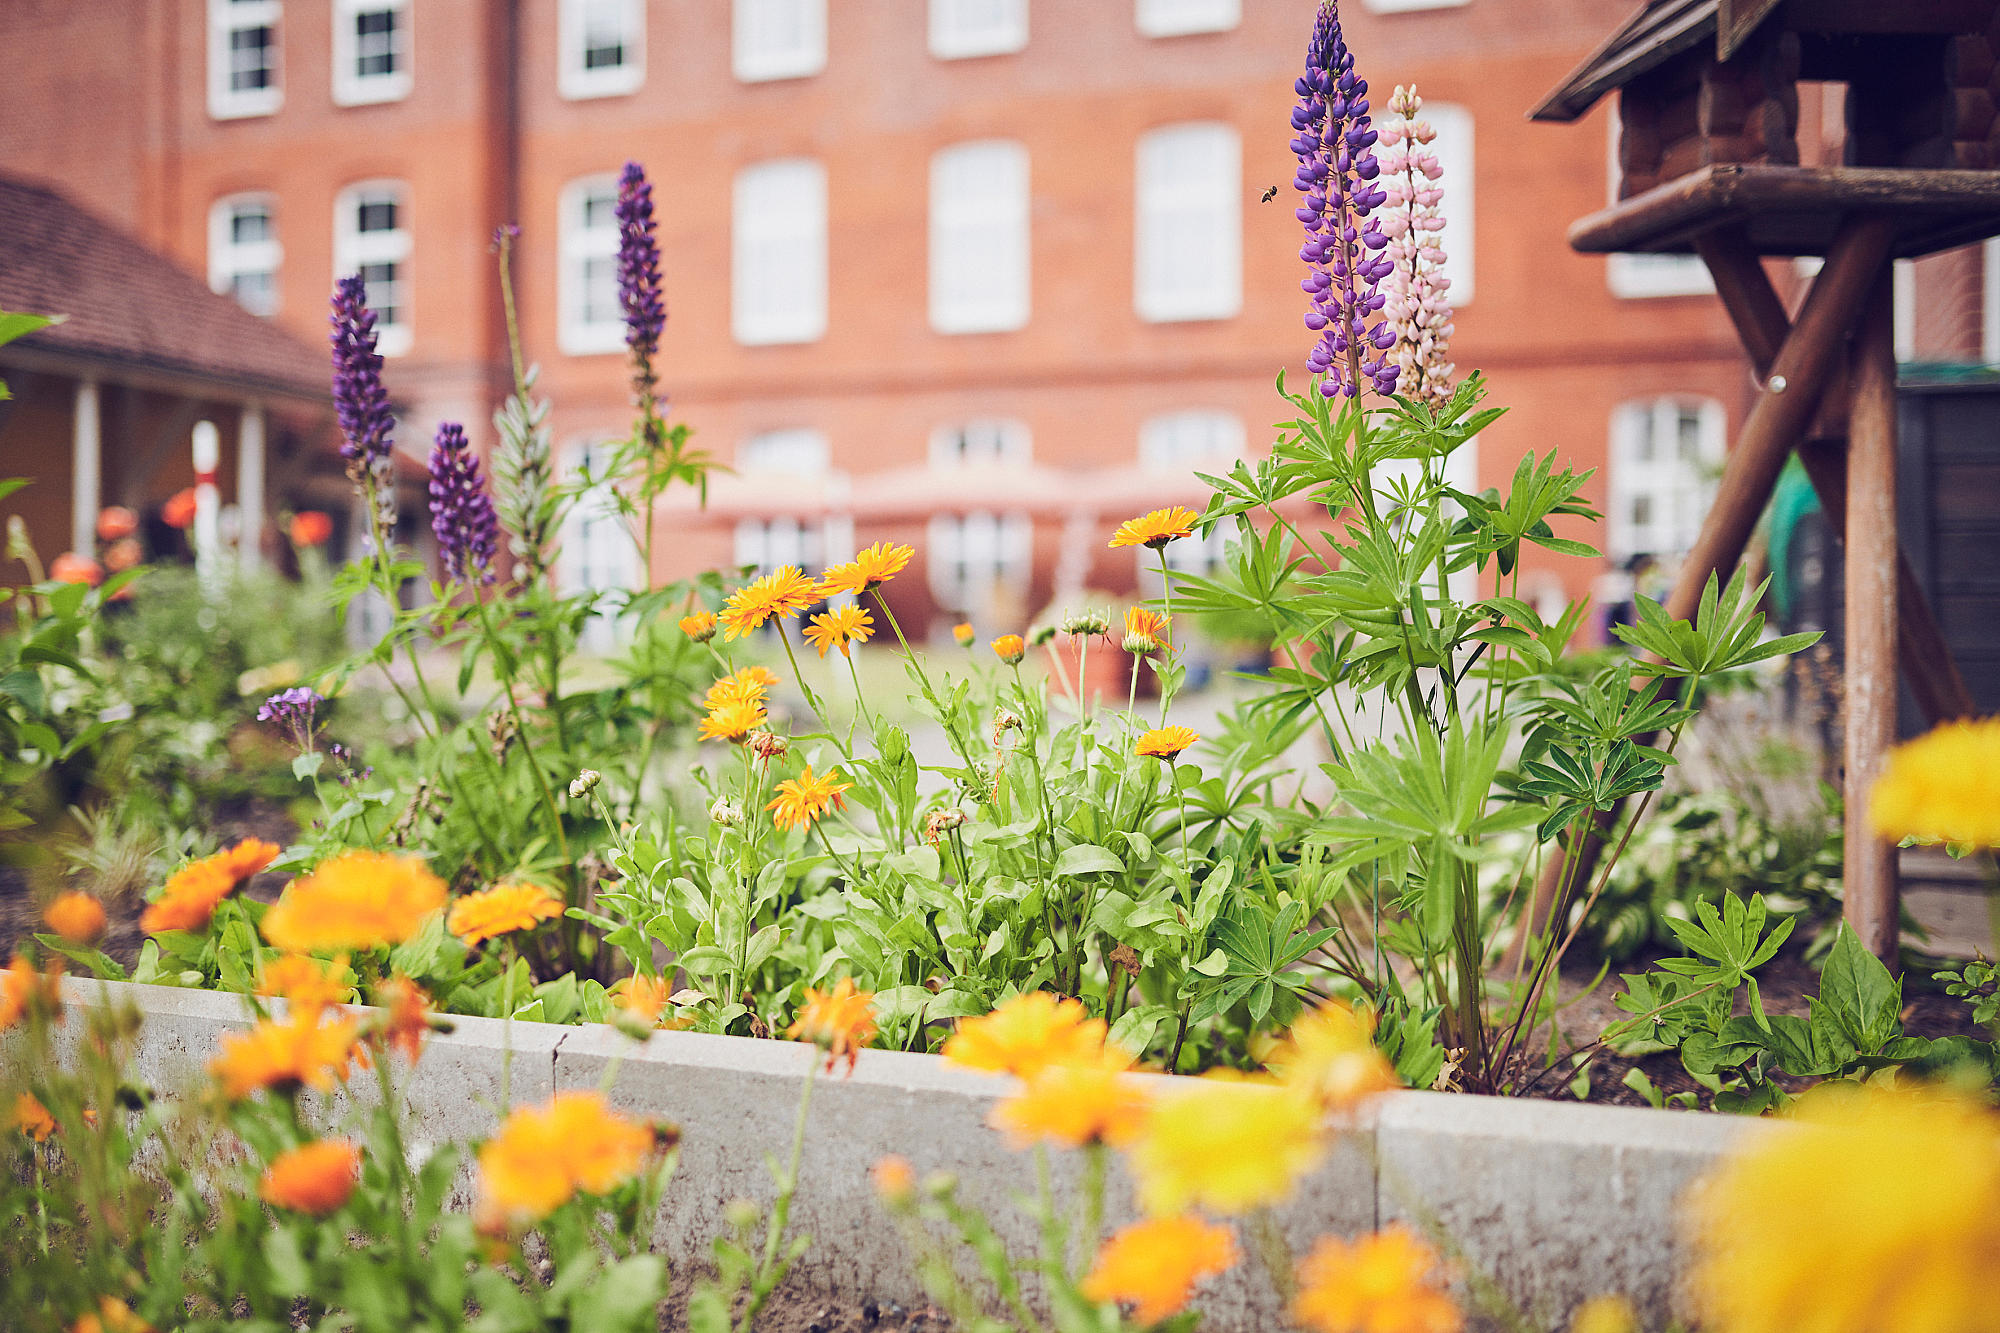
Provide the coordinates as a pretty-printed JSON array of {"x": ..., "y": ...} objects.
[{"x": 1727, "y": 633}]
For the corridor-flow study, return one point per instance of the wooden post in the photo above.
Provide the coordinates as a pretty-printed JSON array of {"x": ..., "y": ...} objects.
[{"x": 1873, "y": 906}]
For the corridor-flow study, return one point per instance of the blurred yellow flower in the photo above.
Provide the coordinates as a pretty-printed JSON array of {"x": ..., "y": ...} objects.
[
  {"x": 406, "y": 1016},
  {"x": 300, "y": 1052},
  {"x": 784, "y": 593},
  {"x": 77, "y": 917},
  {"x": 868, "y": 570},
  {"x": 839, "y": 1021},
  {"x": 191, "y": 893},
  {"x": 1165, "y": 742},
  {"x": 315, "y": 1178},
  {"x": 1009, "y": 648},
  {"x": 1076, "y": 1104},
  {"x": 21, "y": 985},
  {"x": 501, "y": 910},
  {"x": 838, "y": 628},
  {"x": 1026, "y": 1034},
  {"x": 964, "y": 633},
  {"x": 1877, "y": 1209},
  {"x": 1155, "y": 529},
  {"x": 111, "y": 1316},
  {"x": 542, "y": 1156},
  {"x": 802, "y": 800},
  {"x": 732, "y": 721},
  {"x": 355, "y": 901},
  {"x": 305, "y": 982},
  {"x": 1604, "y": 1314},
  {"x": 1154, "y": 1264},
  {"x": 1942, "y": 787},
  {"x": 1330, "y": 1055},
  {"x": 751, "y": 685},
  {"x": 1229, "y": 1147},
  {"x": 32, "y": 1118},
  {"x": 1389, "y": 1282},
  {"x": 894, "y": 1179}
]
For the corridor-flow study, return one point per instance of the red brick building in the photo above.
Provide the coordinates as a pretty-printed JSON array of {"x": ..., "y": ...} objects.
[{"x": 984, "y": 275}]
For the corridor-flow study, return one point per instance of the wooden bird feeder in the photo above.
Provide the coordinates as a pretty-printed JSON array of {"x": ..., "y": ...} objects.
[{"x": 1708, "y": 163}]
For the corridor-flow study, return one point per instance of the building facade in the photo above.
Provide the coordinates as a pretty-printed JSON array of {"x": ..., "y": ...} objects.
[{"x": 981, "y": 275}]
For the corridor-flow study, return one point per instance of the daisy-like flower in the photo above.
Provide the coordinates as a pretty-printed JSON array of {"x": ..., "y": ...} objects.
[
  {"x": 1165, "y": 742},
  {"x": 1154, "y": 1264},
  {"x": 32, "y": 1118},
  {"x": 1009, "y": 649},
  {"x": 963, "y": 632},
  {"x": 304, "y": 982},
  {"x": 1157, "y": 528},
  {"x": 315, "y": 1178},
  {"x": 1942, "y": 787},
  {"x": 867, "y": 571},
  {"x": 639, "y": 1005},
  {"x": 21, "y": 986},
  {"x": 751, "y": 685},
  {"x": 1027, "y": 1034},
  {"x": 300, "y": 1052},
  {"x": 785, "y": 593},
  {"x": 501, "y": 910},
  {"x": 191, "y": 893},
  {"x": 1227, "y": 1147},
  {"x": 839, "y": 1021},
  {"x": 77, "y": 917},
  {"x": 354, "y": 901},
  {"x": 542, "y": 1156},
  {"x": 1389, "y": 1282},
  {"x": 802, "y": 800},
  {"x": 1145, "y": 631},
  {"x": 406, "y": 1016},
  {"x": 1330, "y": 1055},
  {"x": 732, "y": 721},
  {"x": 699, "y": 626},
  {"x": 1077, "y": 1104},
  {"x": 838, "y": 628}
]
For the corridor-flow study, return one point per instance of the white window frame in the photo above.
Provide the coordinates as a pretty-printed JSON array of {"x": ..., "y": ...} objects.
[
  {"x": 757, "y": 63},
  {"x": 956, "y": 32},
  {"x": 1165, "y": 437},
  {"x": 778, "y": 246},
  {"x": 1643, "y": 277},
  {"x": 1165, "y": 191},
  {"x": 1688, "y": 495},
  {"x": 351, "y": 88},
  {"x": 1185, "y": 18},
  {"x": 791, "y": 451},
  {"x": 597, "y": 549},
  {"x": 1458, "y": 165},
  {"x": 574, "y": 80},
  {"x": 1989, "y": 301},
  {"x": 1004, "y": 564},
  {"x": 230, "y": 259},
  {"x": 1903, "y": 308},
  {"x": 981, "y": 262},
  {"x": 353, "y": 248},
  {"x": 983, "y": 442},
  {"x": 578, "y": 245},
  {"x": 225, "y": 19}
]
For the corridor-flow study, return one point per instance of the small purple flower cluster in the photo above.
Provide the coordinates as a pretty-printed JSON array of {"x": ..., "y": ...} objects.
[
  {"x": 1337, "y": 173},
  {"x": 639, "y": 266},
  {"x": 1419, "y": 304},
  {"x": 462, "y": 516},
  {"x": 296, "y": 712},
  {"x": 359, "y": 401}
]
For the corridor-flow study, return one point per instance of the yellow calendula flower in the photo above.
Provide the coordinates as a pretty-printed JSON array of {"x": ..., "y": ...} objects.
[
  {"x": 1877, "y": 1209},
  {"x": 1604, "y": 1314},
  {"x": 751, "y": 685},
  {"x": 77, "y": 917},
  {"x": 1331, "y": 1056},
  {"x": 840, "y": 1021},
  {"x": 305, "y": 982},
  {"x": 780, "y": 595},
  {"x": 111, "y": 1316},
  {"x": 1155, "y": 529},
  {"x": 699, "y": 625},
  {"x": 1228, "y": 1147},
  {"x": 1026, "y": 1034},
  {"x": 1165, "y": 742},
  {"x": 1390, "y": 1282},
  {"x": 1943, "y": 786},
  {"x": 542, "y": 1156},
  {"x": 354, "y": 901},
  {"x": 315, "y": 1178},
  {"x": 802, "y": 800},
  {"x": 1154, "y": 1265},
  {"x": 963, "y": 632},
  {"x": 867, "y": 571},
  {"x": 1009, "y": 649},
  {"x": 192, "y": 892},
  {"x": 21, "y": 985},
  {"x": 894, "y": 1179},
  {"x": 1145, "y": 631},
  {"x": 501, "y": 910},
  {"x": 1076, "y": 1104},
  {"x": 301, "y": 1052},
  {"x": 732, "y": 722},
  {"x": 32, "y": 1118},
  {"x": 838, "y": 628}
]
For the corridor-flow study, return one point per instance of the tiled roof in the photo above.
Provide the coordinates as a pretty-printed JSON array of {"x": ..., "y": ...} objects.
[{"x": 128, "y": 306}]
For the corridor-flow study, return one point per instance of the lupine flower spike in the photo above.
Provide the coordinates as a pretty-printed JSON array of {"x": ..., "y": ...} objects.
[
  {"x": 462, "y": 517},
  {"x": 360, "y": 402},
  {"x": 1343, "y": 250},
  {"x": 1418, "y": 307},
  {"x": 639, "y": 291}
]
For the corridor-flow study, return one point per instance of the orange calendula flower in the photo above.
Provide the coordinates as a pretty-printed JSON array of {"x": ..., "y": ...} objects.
[
  {"x": 315, "y": 1178},
  {"x": 867, "y": 571},
  {"x": 77, "y": 917},
  {"x": 751, "y": 685},
  {"x": 356, "y": 900},
  {"x": 639, "y": 1005},
  {"x": 310, "y": 527},
  {"x": 1389, "y": 1282},
  {"x": 732, "y": 722},
  {"x": 840, "y": 1021},
  {"x": 406, "y": 1016},
  {"x": 501, "y": 910},
  {"x": 1330, "y": 1054},
  {"x": 1157, "y": 528},
  {"x": 838, "y": 628},
  {"x": 308, "y": 984},
  {"x": 963, "y": 632},
  {"x": 894, "y": 1180},
  {"x": 32, "y": 1118},
  {"x": 699, "y": 626},
  {"x": 111, "y": 1316},
  {"x": 1145, "y": 631},
  {"x": 1229, "y": 1147},
  {"x": 301, "y": 1052},
  {"x": 192, "y": 892},
  {"x": 1077, "y": 1104},
  {"x": 785, "y": 593},
  {"x": 802, "y": 800},
  {"x": 543, "y": 1155},
  {"x": 1165, "y": 742},
  {"x": 1153, "y": 1265},
  {"x": 1009, "y": 649},
  {"x": 1027, "y": 1034},
  {"x": 21, "y": 985}
]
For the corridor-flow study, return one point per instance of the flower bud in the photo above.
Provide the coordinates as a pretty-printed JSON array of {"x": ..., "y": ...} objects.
[
  {"x": 584, "y": 784},
  {"x": 1086, "y": 622},
  {"x": 963, "y": 633},
  {"x": 726, "y": 813},
  {"x": 942, "y": 822},
  {"x": 768, "y": 745},
  {"x": 1041, "y": 634}
]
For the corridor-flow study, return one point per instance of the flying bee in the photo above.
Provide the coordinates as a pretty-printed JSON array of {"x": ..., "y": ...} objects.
[{"x": 1269, "y": 195}]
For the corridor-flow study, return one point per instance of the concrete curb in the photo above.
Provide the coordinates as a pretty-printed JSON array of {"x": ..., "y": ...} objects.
[{"x": 1557, "y": 1202}]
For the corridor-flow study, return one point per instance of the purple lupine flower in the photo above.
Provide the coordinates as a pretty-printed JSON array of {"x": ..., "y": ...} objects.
[
  {"x": 359, "y": 400},
  {"x": 1337, "y": 172},
  {"x": 639, "y": 266},
  {"x": 462, "y": 517},
  {"x": 294, "y": 711}
]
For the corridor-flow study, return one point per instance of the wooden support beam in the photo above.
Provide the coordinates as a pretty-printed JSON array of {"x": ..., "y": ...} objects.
[{"x": 1872, "y": 898}]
